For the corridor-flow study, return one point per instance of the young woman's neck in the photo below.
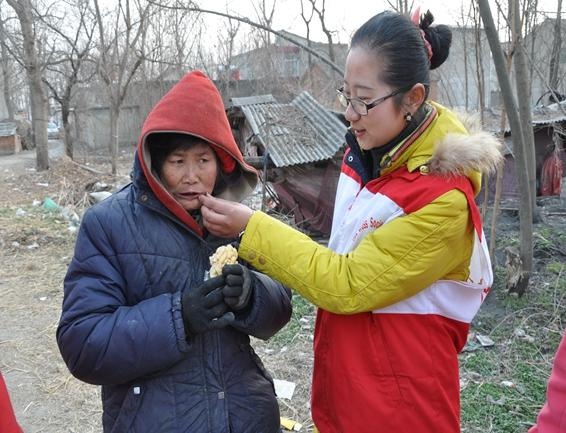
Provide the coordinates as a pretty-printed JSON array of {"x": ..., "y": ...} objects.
[{"x": 376, "y": 155}]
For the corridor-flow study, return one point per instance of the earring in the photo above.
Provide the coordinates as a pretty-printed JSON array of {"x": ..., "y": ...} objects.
[{"x": 408, "y": 117}]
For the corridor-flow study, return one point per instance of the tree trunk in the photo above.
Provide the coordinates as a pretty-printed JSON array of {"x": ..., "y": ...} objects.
[
  {"x": 500, "y": 174},
  {"x": 517, "y": 279},
  {"x": 38, "y": 98},
  {"x": 556, "y": 47},
  {"x": 114, "y": 115},
  {"x": 495, "y": 211},
  {"x": 523, "y": 86},
  {"x": 67, "y": 138},
  {"x": 5, "y": 73},
  {"x": 525, "y": 208},
  {"x": 466, "y": 87}
]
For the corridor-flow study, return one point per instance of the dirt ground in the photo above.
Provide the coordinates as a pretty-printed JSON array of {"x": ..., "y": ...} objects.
[{"x": 35, "y": 248}]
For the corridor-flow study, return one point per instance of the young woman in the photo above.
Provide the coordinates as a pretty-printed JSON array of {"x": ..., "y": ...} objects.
[
  {"x": 171, "y": 351},
  {"x": 407, "y": 266}
]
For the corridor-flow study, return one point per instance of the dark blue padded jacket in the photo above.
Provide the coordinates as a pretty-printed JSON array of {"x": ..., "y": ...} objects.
[{"x": 121, "y": 325}]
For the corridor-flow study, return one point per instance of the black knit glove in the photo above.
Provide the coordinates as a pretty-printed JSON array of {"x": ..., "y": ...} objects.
[
  {"x": 203, "y": 307},
  {"x": 238, "y": 288}
]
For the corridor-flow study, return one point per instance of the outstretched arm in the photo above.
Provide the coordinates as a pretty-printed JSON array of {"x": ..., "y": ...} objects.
[{"x": 390, "y": 264}]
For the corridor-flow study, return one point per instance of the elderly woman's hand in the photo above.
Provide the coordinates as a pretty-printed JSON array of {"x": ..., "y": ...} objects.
[{"x": 224, "y": 218}]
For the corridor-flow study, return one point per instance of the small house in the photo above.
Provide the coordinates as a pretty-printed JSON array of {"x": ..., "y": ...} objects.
[
  {"x": 9, "y": 139},
  {"x": 297, "y": 147},
  {"x": 549, "y": 128}
]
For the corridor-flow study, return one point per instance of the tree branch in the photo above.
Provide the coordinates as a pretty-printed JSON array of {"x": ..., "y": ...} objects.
[{"x": 257, "y": 25}]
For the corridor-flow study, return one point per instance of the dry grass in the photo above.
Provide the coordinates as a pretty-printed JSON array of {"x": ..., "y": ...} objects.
[
  {"x": 36, "y": 246},
  {"x": 35, "y": 249}
]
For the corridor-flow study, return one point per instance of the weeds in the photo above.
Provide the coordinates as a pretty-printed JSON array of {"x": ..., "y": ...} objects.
[
  {"x": 505, "y": 385},
  {"x": 301, "y": 323}
]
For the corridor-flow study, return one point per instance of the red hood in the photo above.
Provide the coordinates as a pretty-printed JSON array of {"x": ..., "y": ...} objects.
[{"x": 194, "y": 106}]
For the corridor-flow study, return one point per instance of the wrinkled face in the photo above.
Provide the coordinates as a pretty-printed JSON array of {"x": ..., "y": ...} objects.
[
  {"x": 188, "y": 173},
  {"x": 384, "y": 121}
]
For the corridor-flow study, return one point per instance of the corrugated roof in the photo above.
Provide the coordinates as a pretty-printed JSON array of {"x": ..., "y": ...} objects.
[
  {"x": 542, "y": 115},
  {"x": 8, "y": 129},
  {"x": 252, "y": 100},
  {"x": 299, "y": 132},
  {"x": 553, "y": 113}
]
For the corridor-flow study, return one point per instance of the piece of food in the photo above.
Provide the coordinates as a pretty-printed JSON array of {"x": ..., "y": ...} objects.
[{"x": 224, "y": 255}]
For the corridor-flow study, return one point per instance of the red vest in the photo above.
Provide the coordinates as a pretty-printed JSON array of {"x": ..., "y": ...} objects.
[{"x": 395, "y": 370}]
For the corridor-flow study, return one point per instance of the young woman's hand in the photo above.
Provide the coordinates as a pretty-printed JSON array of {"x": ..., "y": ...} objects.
[{"x": 224, "y": 218}]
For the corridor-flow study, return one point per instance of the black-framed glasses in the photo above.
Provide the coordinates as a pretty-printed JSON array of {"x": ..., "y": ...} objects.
[{"x": 360, "y": 106}]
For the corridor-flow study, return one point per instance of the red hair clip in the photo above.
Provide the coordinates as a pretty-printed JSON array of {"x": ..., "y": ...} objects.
[{"x": 416, "y": 19}]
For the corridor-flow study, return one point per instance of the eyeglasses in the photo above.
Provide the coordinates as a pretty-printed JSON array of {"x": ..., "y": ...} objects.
[{"x": 360, "y": 106}]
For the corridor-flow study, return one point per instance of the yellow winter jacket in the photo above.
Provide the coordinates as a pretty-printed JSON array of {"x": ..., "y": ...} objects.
[
  {"x": 404, "y": 255},
  {"x": 404, "y": 274}
]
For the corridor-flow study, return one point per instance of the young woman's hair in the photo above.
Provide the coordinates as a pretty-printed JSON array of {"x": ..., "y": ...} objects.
[
  {"x": 163, "y": 144},
  {"x": 401, "y": 49}
]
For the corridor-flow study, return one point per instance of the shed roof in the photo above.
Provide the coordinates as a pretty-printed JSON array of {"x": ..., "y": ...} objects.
[
  {"x": 548, "y": 114},
  {"x": 541, "y": 116},
  {"x": 298, "y": 132},
  {"x": 8, "y": 129}
]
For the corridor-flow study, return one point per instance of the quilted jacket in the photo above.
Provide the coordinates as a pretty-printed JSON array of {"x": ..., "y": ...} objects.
[{"x": 121, "y": 324}]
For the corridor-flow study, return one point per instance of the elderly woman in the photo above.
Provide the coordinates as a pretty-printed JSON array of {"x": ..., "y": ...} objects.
[{"x": 170, "y": 349}]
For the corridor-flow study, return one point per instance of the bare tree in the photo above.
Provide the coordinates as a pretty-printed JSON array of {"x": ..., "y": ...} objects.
[
  {"x": 4, "y": 64},
  {"x": 307, "y": 20},
  {"x": 245, "y": 20},
  {"x": 556, "y": 48},
  {"x": 480, "y": 74},
  {"x": 121, "y": 54},
  {"x": 226, "y": 51},
  {"x": 520, "y": 153},
  {"x": 38, "y": 95},
  {"x": 173, "y": 45},
  {"x": 523, "y": 85},
  {"x": 500, "y": 169},
  {"x": 531, "y": 10},
  {"x": 466, "y": 72},
  {"x": 402, "y": 6},
  {"x": 265, "y": 12},
  {"x": 321, "y": 13},
  {"x": 480, "y": 81},
  {"x": 72, "y": 52}
]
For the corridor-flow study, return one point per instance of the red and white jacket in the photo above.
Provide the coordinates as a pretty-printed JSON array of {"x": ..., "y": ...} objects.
[{"x": 406, "y": 270}]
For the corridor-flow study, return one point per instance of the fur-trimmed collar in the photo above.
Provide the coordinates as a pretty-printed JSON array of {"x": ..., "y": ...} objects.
[
  {"x": 457, "y": 154},
  {"x": 450, "y": 146}
]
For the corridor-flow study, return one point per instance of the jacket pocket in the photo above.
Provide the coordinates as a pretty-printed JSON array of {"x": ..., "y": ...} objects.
[
  {"x": 261, "y": 394},
  {"x": 128, "y": 410},
  {"x": 259, "y": 364}
]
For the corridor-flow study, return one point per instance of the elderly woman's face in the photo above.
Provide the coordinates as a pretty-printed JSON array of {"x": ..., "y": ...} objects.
[{"x": 188, "y": 173}]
